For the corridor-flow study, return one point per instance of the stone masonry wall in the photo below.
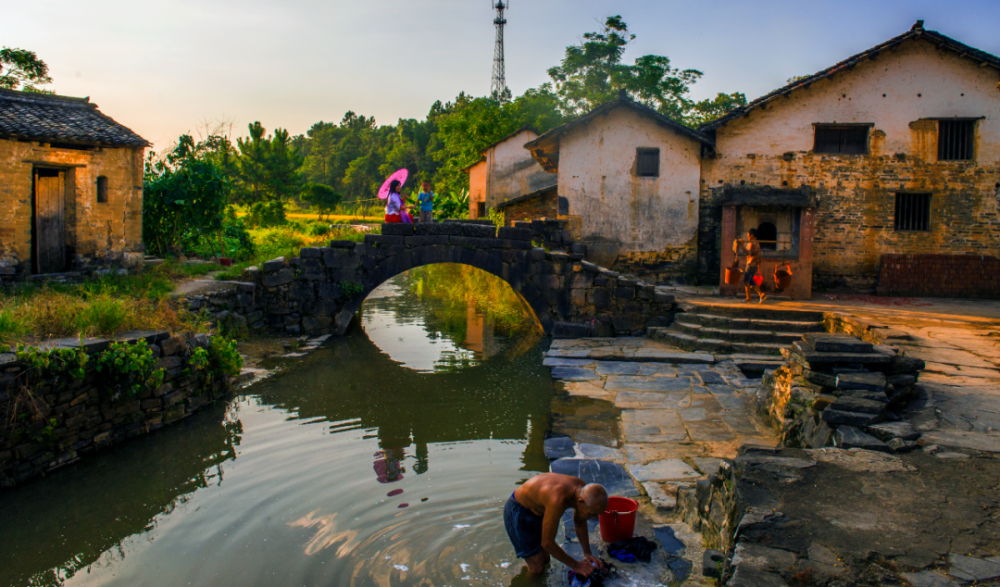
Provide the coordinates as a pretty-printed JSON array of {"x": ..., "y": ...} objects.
[
  {"x": 61, "y": 421},
  {"x": 96, "y": 233}
]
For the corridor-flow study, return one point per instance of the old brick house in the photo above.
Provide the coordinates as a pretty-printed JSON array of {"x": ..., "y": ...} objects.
[
  {"x": 70, "y": 186},
  {"x": 628, "y": 186},
  {"x": 892, "y": 151},
  {"x": 505, "y": 171}
]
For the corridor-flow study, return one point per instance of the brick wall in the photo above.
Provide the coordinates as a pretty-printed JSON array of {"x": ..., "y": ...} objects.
[
  {"x": 944, "y": 276},
  {"x": 544, "y": 206},
  {"x": 96, "y": 233}
]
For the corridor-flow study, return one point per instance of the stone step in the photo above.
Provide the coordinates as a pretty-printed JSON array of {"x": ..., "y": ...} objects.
[
  {"x": 731, "y": 323},
  {"x": 734, "y": 335},
  {"x": 751, "y": 311},
  {"x": 713, "y": 345}
]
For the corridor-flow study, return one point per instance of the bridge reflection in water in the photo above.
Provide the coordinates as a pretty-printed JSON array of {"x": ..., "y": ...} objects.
[{"x": 340, "y": 471}]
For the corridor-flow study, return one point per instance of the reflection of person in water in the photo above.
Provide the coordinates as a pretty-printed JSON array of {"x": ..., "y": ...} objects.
[{"x": 388, "y": 465}]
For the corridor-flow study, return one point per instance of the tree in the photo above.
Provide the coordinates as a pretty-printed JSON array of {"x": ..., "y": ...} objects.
[
  {"x": 268, "y": 171},
  {"x": 322, "y": 197},
  {"x": 22, "y": 69},
  {"x": 592, "y": 73},
  {"x": 708, "y": 110}
]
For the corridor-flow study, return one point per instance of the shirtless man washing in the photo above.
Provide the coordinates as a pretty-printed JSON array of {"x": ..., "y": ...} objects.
[{"x": 532, "y": 516}]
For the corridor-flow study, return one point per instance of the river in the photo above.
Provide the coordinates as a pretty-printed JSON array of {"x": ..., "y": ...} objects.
[{"x": 383, "y": 458}]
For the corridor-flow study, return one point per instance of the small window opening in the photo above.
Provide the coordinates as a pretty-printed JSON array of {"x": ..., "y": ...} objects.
[
  {"x": 913, "y": 212},
  {"x": 956, "y": 139},
  {"x": 841, "y": 140},
  {"x": 767, "y": 235},
  {"x": 102, "y": 190},
  {"x": 481, "y": 210},
  {"x": 647, "y": 162}
]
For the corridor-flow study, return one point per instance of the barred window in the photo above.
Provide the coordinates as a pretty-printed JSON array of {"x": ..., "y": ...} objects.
[
  {"x": 841, "y": 140},
  {"x": 913, "y": 211},
  {"x": 956, "y": 140},
  {"x": 647, "y": 162},
  {"x": 481, "y": 210}
]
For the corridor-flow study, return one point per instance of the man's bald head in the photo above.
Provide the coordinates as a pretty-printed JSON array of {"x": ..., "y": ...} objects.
[{"x": 594, "y": 498}]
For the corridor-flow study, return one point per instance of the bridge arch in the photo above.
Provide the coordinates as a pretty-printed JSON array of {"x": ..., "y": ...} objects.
[{"x": 319, "y": 291}]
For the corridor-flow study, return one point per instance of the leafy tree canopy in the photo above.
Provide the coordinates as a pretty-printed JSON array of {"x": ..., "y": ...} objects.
[{"x": 21, "y": 69}]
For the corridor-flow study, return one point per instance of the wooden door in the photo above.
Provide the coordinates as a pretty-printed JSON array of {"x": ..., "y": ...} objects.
[{"x": 50, "y": 221}]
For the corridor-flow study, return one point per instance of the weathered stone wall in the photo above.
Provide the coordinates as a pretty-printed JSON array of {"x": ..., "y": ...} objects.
[
  {"x": 319, "y": 291},
  {"x": 902, "y": 94},
  {"x": 96, "y": 233},
  {"x": 544, "y": 206},
  {"x": 51, "y": 423}
]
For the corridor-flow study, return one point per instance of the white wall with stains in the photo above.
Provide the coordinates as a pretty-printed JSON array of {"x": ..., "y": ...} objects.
[{"x": 597, "y": 175}]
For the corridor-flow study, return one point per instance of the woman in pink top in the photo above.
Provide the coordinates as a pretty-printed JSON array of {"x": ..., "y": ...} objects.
[{"x": 394, "y": 204}]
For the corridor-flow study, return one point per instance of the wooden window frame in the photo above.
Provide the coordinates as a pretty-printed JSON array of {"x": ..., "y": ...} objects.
[
  {"x": 643, "y": 155},
  {"x": 912, "y": 212},
  {"x": 842, "y": 141}
]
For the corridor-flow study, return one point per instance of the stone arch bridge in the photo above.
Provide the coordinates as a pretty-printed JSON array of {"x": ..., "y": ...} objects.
[{"x": 319, "y": 291}]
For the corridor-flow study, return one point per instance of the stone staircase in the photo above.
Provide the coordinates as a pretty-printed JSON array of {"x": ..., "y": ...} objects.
[{"x": 750, "y": 335}]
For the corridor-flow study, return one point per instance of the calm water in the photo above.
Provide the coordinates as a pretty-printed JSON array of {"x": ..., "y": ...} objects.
[{"x": 382, "y": 459}]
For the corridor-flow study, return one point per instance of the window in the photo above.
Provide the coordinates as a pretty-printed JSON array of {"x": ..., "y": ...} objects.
[
  {"x": 481, "y": 210},
  {"x": 102, "y": 190},
  {"x": 841, "y": 140},
  {"x": 913, "y": 211},
  {"x": 767, "y": 234},
  {"x": 956, "y": 139},
  {"x": 647, "y": 162}
]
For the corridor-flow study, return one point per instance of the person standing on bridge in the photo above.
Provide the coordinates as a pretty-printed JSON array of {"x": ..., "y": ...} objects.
[
  {"x": 534, "y": 511},
  {"x": 752, "y": 279},
  {"x": 394, "y": 203},
  {"x": 426, "y": 200}
]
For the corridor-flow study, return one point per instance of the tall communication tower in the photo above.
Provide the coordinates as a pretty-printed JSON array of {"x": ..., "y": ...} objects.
[{"x": 499, "y": 87}]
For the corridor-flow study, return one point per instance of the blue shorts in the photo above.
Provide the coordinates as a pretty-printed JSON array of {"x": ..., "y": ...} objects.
[
  {"x": 523, "y": 527},
  {"x": 748, "y": 277}
]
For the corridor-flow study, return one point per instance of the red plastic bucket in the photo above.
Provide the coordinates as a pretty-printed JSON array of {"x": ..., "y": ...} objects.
[{"x": 618, "y": 521}]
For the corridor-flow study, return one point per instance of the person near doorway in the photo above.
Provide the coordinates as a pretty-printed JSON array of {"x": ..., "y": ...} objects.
[
  {"x": 533, "y": 513},
  {"x": 426, "y": 200},
  {"x": 394, "y": 203},
  {"x": 751, "y": 279}
]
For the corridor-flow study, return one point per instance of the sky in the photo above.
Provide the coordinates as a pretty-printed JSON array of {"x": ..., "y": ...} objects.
[{"x": 168, "y": 67}]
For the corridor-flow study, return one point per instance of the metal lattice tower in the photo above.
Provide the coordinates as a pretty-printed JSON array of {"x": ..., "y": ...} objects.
[{"x": 499, "y": 86}]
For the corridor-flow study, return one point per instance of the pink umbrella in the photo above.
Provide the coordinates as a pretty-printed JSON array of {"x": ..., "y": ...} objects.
[{"x": 401, "y": 175}]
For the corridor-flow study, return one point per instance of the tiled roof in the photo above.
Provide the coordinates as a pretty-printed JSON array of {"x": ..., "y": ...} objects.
[
  {"x": 916, "y": 32},
  {"x": 545, "y": 149},
  {"x": 44, "y": 117}
]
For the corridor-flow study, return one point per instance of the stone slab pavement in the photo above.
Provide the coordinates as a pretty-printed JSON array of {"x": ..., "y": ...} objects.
[{"x": 668, "y": 422}]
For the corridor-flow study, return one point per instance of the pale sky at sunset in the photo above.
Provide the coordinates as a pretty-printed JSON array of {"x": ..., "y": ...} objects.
[{"x": 163, "y": 67}]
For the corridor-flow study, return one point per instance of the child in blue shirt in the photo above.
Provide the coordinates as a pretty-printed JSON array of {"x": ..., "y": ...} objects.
[{"x": 426, "y": 200}]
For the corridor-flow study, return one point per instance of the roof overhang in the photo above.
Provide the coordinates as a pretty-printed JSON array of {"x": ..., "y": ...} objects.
[{"x": 768, "y": 196}]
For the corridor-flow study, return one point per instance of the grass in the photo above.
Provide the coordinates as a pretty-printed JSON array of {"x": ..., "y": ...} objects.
[
  {"x": 287, "y": 240},
  {"x": 104, "y": 306}
]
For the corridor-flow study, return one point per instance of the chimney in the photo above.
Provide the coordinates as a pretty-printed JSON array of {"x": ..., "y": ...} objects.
[{"x": 918, "y": 27}]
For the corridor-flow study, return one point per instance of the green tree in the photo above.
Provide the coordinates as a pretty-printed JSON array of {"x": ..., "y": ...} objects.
[
  {"x": 708, "y": 110},
  {"x": 21, "y": 69},
  {"x": 268, "y": 169},
  {"x": 321, "y": 197}
]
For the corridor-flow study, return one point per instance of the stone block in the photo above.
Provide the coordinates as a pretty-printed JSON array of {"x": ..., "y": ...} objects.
[
  {"x": 851, "y": 437},
  {"x": 624, "y": 293},
  {"x": 383, "y": 240},
  {"x": 517, "y": 234},
  {"x": 821, "y": 379},
  {"x": 825, "y": 342},
  {"x": 419, "y": 241},
  {"x": 872, "y": 381},
  {"x": 886, "y": 431},
  {"x": 273, "y": 265},
  {"x": 310, "y": 253},
  {"x": 343, "y": 244},
  {"x": 546, "y": 281},
  {"x": 842, "y": 418},
  {"x": 396, "y": 229},
  {"x": 174, "y": 345},
  {"x": 571, "y": 330},
  {"x": 479, "y": 230},
  {"x": 846, "y": 403},
  {"x": 899, "y": 364},
  {"x": 282, "y": 277}
]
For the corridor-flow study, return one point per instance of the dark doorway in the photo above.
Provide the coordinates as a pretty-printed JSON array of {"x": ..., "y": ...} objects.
[
  {"x": 767, "y": 234},
  {"x": 48, "y": 236}
]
